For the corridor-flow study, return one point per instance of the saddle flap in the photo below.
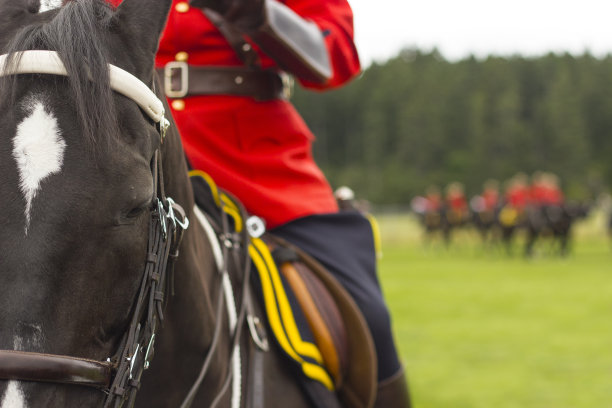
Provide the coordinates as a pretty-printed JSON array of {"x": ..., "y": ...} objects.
[
  {"x": 321, "y": 313},
  {"x": 358, "y": 375}
]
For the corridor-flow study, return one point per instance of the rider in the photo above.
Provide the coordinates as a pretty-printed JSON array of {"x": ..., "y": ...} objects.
[
  {"x": 490, "y": 195},
  {"x": 546, "y": 197},
  {"x": 434, "y": 199},
  {"x": 517, "y": 193},
  {"x": 225, "y": 66},
  {"x": 545, "y": 190},
  {"x": 457, "y": 206}
]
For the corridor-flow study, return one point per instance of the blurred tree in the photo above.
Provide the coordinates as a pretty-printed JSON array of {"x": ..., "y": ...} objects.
[{"x": 419, "y": 119}]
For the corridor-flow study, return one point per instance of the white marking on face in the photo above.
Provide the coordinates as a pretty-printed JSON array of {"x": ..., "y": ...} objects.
[
  {"x": 14, "y": 396},
  {"x": 38, "y": 149},
  {"x": 46, "y": 5}
]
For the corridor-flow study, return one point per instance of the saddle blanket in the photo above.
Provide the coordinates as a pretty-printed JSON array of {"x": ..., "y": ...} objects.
[{"x": 302, "y": 316}]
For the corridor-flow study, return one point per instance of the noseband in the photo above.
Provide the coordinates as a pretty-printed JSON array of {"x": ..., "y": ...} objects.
[{"x": 118, "y": 376}]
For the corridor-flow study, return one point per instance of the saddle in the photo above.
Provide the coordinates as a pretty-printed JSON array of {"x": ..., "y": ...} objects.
[
  {"x": 509, "y": 216},
  {"x": 310, "y": 316}
]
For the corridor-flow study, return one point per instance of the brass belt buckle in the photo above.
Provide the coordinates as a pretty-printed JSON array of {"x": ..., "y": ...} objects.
[{"x": 170, "y": 72}]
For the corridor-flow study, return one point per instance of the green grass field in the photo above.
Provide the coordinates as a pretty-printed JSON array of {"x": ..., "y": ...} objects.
[{"x": 477, "y": 328}]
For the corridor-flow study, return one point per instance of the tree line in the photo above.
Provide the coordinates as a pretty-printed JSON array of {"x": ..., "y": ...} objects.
[{"x": 419, "y": 119}]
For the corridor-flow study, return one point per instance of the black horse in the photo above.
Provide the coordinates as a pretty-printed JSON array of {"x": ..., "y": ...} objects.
[
  {"x": 509, "y": 222},
  {"x": 554, "y": 222},
  {"x": 486, "y": 222},
  {"x": 86, "y": 208},
  {"x": 442, "y": 221}
]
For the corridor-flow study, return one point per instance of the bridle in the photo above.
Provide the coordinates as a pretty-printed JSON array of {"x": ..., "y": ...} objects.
[
  {"x": 118, "y": 376},
  {"x": 137, "y": 346}
]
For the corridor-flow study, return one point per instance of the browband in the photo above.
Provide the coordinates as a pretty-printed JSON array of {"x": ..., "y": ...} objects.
[{"x": 121, "y": 81}]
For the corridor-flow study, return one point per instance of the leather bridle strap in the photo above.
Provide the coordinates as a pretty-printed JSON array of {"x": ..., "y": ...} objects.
[
  {"x": 21, "y": 365},
  {"x": 138, "y": 344}
]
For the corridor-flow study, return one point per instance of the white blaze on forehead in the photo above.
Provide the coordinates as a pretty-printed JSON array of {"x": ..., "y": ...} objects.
[
  {"x": 38, "y": 149},
  {"x": 46, "y": 5},
  {"x": 14, "y": 396}
]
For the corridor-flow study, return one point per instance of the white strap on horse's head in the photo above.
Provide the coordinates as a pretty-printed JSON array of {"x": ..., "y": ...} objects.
[{"x": 121, "y": 81}]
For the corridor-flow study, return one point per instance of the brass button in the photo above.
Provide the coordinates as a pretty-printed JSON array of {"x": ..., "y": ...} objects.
[
  {"x": 181, "y": 56},
  {"x": 178, "y": 104},
  {"x": 182, "y": 7}
]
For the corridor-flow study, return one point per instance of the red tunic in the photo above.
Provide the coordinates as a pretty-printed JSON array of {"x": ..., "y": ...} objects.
[
  {"x": 457, "y": 202},
  {"x": 490, "y": 199},
  {"x": 258, "y": 151},
  {"x": 518, "y": 197},
  {"x": 542, "y": 194},
  {"x": 434, "y": 202}
]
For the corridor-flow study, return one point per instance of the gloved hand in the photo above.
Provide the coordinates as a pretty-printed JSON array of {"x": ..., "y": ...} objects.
[
  {"x": 246, "y": 15},
  {"x": 296, "y": 44}
]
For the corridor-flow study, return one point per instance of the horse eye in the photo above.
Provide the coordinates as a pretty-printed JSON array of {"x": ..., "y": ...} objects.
[{"x": 137, "y": 211}]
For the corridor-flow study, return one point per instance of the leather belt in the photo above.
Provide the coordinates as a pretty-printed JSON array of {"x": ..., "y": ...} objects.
[{"x": 181, "y": 80}]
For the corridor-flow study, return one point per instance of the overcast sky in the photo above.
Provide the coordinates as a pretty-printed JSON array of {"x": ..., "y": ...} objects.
[{"x": 482, "y": 27}]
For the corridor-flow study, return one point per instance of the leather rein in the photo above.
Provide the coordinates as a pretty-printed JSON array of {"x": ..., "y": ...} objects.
[{"x": 118, "y": 376}]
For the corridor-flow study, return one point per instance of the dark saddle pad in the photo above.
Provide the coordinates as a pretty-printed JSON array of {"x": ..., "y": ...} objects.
[{"x": 312, "y": 319}]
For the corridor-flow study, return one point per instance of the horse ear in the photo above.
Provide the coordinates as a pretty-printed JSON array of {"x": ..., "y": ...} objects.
[
  {"x": 145, "y": 20},
  {"x": 13, "y": 16}
]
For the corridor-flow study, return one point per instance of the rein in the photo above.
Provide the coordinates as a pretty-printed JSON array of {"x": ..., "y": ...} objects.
[{"x": 120, "y": 375}]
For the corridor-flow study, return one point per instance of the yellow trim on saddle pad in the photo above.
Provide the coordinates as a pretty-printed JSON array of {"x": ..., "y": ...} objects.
[
  {"x": 211, "y": 183},
  {"x": 376, "y": 235},
  {"x": 221, "y": 199},
  {"x": 508, "y": 216},
  {"x": 281, "y": 318},
  {"x": 278, "y": 309}
]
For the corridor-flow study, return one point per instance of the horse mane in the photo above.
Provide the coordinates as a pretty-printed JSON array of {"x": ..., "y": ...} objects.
[{"x": 77, "y": 33}]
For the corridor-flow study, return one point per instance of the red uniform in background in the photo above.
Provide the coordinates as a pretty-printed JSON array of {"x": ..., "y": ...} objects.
[
  {"x": 490, "y": 199},
  {"x": 546, "y": 194},
  {"x": 457, "y": 202},
  {"x": 518, "y": 196},
  {"x": 434, "y": 202}
]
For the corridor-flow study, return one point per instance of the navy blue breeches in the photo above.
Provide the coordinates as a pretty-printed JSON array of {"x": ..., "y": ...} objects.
[{"x": 343, "y": 242}]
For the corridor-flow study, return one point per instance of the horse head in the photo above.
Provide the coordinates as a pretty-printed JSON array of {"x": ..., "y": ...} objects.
[{"x": 77, "y": 185}]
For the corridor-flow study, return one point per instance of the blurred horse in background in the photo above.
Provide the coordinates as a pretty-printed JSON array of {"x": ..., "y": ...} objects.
[{"x": 554, "y": 222}]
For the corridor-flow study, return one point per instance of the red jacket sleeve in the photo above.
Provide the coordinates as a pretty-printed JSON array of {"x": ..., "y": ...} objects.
[{"x": 335, "y": 19}]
